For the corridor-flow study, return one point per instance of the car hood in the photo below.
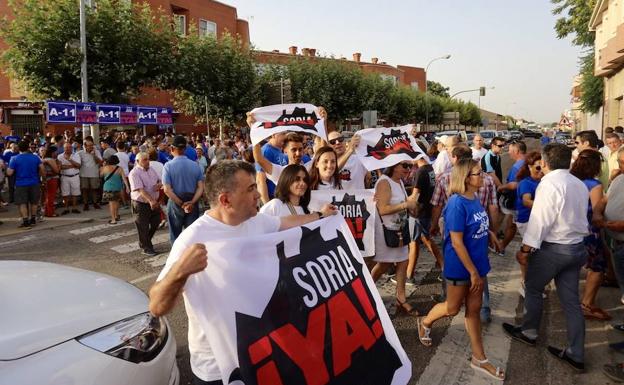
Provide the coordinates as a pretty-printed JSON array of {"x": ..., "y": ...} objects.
[{"x": 44, "y": 304}]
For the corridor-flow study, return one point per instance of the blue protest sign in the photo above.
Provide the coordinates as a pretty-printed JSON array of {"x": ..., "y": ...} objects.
[
  {"x": 147, "y": 115},
  {"x": 61, "y": 112},
  {"x": 108, "y": 114}
]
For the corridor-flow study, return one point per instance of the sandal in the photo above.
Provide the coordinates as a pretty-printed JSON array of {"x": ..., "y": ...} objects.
[
  {"x": 112, "y": 222},
  {"x": 424, "y": 337},
  {"x": 596, "y": 313},
  {"x": 478, "y": 365},
  {"x": 404, "y": 307}
]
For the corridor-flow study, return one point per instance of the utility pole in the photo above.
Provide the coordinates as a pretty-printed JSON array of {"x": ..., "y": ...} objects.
[
  {"x": 207, "y": 119},
  {"x": 86, "y": 129}
]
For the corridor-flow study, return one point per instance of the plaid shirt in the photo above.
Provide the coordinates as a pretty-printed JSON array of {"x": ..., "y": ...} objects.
[{"x": 486, "y": 193}]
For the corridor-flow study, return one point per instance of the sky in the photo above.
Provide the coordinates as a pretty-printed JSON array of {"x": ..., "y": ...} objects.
[{"x": 506, "y": 44}]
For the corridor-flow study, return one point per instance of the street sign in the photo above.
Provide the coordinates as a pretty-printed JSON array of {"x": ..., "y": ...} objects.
[
  {"x": 92, "y": 113},
  {"x": 61, "y": 112},
  {"x": 450, "y": 118}
]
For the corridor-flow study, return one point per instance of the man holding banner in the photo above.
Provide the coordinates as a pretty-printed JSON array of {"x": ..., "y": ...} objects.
[
  {"x": 353, "y": 175},
  {"x": 231, "y": 190}
]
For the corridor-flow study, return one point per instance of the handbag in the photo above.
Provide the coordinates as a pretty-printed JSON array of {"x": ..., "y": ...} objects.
[{"x": 396, "y": 238}]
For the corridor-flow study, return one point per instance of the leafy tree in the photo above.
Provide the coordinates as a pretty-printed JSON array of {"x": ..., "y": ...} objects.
[
  {"x": 128, "y": 48},
  {"x": 221, "y": 72},
  {"x": 575, "y": 22},
  {"x": 437, "y": 89}
]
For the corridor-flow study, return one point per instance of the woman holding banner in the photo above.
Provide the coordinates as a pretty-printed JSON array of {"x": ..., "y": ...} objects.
[
  {"x": 466, "y": 261},
  {"x": 324, "y": 173},
  {"x": 292, "y": 194},
  {"x": 392, "y": 235}
]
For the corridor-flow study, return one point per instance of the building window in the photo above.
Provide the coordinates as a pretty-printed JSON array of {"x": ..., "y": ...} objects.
[
  {"x": 207, "y": 28},
  {"x": 414, "y": 85},
  {"x": 180, "y": 24},
  {"x": 391, "y": 78}
]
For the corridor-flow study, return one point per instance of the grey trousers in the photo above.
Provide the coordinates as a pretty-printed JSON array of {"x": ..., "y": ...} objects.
[{"x": 563, "y": 264}]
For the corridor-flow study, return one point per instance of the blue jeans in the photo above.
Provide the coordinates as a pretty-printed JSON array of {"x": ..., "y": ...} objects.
[
  {"x": 485, "y": 304},
  {"x": 618, "y": 262},
  {"x": 179, "y": 220}
]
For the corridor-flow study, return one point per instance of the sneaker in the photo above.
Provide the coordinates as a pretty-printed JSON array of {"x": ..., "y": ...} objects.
[
  {"x": 614, "y": 372},
  {"x": 24, "y": 225},
  {"x": 563, "y": 356},
  {"x": 515, "y": 333},
  {"x": 149, "y": 253}
]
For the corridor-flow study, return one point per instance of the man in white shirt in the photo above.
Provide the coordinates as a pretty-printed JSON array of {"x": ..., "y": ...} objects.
[
  {"x": 552, "y": 248},
  {"x": 478, "y": 151},
  {"x": 231, "y": 190},
  {"x": 70, "y": 178},
  {"x": 443, "y": 161},
  {"x": 353, "y": 175},
  {"x": 90, "y": 161},
  {"x": 124, "y": 160}
]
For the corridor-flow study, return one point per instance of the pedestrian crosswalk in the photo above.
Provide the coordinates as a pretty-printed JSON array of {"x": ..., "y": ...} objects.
[{"x": 121, "y": 239}]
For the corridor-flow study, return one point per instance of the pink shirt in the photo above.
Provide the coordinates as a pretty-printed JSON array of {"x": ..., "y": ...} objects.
[{"x": 143, "y": 179}]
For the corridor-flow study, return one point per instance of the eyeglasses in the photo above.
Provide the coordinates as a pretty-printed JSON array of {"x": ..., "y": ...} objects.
[
  {"x": 336, "y": 140},
  {"x": 497, "y": 144},
  {"x": 406, "y": 166}
]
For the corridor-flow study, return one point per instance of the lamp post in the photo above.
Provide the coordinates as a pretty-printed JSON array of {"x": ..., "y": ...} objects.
[
  {"x": 427, "y": 88},
  {"x": 84, "y": 95}
]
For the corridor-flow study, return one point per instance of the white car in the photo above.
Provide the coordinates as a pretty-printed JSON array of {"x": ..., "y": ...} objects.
[{"x": 63, "y": 325}]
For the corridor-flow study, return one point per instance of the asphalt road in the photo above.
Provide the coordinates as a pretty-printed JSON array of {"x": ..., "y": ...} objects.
[{"x": 110, "y": 249}]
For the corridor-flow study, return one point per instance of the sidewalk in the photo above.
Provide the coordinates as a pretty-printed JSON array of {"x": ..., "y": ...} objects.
[{"x": 11, "y": 219}]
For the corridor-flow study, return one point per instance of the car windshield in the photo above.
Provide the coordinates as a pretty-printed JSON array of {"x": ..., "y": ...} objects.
[
  {"x": 487, "y": 134},
  {"x": 470, "y": 136}
]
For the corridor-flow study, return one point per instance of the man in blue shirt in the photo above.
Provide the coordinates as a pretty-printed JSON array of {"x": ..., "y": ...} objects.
[
  {"x": 517, "y": 152},
  {"x": 27, "y": 169},
  {"x": 491, "y": 161},
  {"x": 10, "y": 152},
  {"x": 163, "y": 153},
  {"x": 184, "y": 185},
  {"x": 272, "y": 151}
]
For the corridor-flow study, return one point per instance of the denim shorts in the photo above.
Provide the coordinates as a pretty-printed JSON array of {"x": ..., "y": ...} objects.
[{"x": 458, "y": 282}]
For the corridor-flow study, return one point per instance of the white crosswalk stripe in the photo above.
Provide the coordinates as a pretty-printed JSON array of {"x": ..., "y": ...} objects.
[
  {"x": 90, "y": 229},
  {"x": 134, "y": 246},
  {"x": 113, "y": 236},
  {"x": 19, "y": 240}
]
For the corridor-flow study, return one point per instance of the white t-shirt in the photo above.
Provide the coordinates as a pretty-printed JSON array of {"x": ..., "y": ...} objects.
[
  {"x": 442, "y": 163},
  {"x": 124, "y": 159},
  {"x": 205, "y": 229},
  {"x": 478, "y": 154},
  {"x": 65, "y": 162},
  {"x": 353, "y": 174},
  {"x": 158, "y": 167},
  {"x": 276, "y": 171},
  {"x": 277, "y": 208}
]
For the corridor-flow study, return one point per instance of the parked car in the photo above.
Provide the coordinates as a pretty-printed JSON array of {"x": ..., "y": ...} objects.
[
  {"x": 534, "y": 133},
  {"x": 461, "y": 134},
  {"x": 470, "y": 138},
  {"x": 66, "y": 325},
  {"x": 504, "y": 134},
  {"x": 487, "y": 136},
  {"x": 516, "y": 135},
  {"x": 564, "y": 138}
]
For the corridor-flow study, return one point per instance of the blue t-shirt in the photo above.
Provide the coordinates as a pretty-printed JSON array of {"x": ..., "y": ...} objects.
[
  {"x": 26, "y": 168},
  {"x": 544, "y": 140},
  {"x": 466, "y": 216},
  {"x": 513, "y": 171},
  {"x": 273, "y": 155},
  {"x": 8, "y": 155},
  {"x": 190, "y": 153},
  {"x": 163, "y": 157},
  {"x": 182, "y": 174},
  {"x": 527, "y": 185}
]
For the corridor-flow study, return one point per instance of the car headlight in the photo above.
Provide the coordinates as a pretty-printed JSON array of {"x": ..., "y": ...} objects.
[{"x": 136, "y": 339}]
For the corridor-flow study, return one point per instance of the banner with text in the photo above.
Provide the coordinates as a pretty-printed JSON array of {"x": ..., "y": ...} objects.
[
  {"x": 385, "y": 147},
  {"x": 278, "y": 118},
  {"x": 92, "y": 113},
  {"x": 296, "y": 307},
  {"x": 359, "y": 211}
]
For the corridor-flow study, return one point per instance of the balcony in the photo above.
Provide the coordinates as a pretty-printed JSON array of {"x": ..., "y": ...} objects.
[{"x": 611, "y": 57}]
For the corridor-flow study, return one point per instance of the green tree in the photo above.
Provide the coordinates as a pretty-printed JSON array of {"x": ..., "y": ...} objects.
[
  {"x": 220, "y": 72},
  {"x": 128, "y": 47},
  {"x": 573, "y": 21},
  {"x": 437, "y": 89}
]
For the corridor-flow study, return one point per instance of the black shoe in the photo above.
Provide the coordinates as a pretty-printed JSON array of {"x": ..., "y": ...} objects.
[
  {"x": 561, "y": 354},
  {"x": 619, "y": 327},
  {"x": 149, "y": 253},
  {"x": 617, "y": 346},
  {"x": 515, "y": 332},
  {"x": 24, "y": 225},
  {"x": 33, "y": 221}
]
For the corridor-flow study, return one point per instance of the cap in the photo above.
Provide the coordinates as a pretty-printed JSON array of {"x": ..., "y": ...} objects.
[{"x": 179, "y": 141}]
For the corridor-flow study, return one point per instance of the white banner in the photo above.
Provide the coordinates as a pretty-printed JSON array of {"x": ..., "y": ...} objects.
[
  {"x": 296, "y": 307},
  {"x": 301, "y": 117},
  {"x": 359, "y": 211},
  {"x": 385, "y": 147}
]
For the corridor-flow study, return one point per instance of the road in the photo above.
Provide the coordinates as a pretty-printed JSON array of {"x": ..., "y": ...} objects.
[{"x": 112, "y": 249}]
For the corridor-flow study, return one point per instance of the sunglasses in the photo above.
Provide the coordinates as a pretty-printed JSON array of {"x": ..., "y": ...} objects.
[
  {"x": 497, "y": 144},
  {"x": 336, "y": 140},
  {"x": 406, "y": 166}
]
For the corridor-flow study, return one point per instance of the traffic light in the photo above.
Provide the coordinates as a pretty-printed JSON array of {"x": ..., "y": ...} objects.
[{"x": 482, "y": 91}]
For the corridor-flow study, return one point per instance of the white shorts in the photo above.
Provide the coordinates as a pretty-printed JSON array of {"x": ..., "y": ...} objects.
[
  {"x": 521, "y": 228},
  {"x": 513, "y": 213},
  {"x": 70, "y": 185}
]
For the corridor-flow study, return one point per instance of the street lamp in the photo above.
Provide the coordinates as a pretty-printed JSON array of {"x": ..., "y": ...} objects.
[
  {"x": 445, "y": 57},
  {"x": 84, "y": 97}
]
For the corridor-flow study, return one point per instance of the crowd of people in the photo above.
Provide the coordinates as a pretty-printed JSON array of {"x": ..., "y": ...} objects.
[{"x": 565, "y": 204}]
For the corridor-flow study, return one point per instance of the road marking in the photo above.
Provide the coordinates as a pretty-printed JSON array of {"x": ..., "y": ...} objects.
[
  {"x": 90, "y": 229},
  {"x": 19, "y": 240},
  {"x": 158, "y": 260},
  {"x": 450, "y": 364},
  {"x": 110, "y": 237},
  {"x": 134, "y": 246}
]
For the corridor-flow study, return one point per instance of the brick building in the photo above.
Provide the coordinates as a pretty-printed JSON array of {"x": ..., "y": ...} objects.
[{"x": 209, "y": 17}]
